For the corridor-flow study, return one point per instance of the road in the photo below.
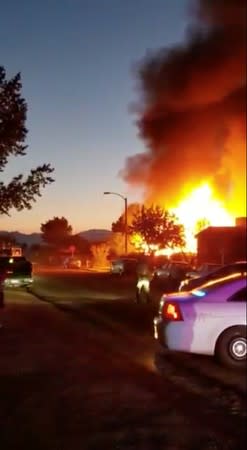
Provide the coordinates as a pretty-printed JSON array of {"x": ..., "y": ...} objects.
[{"x": 87, "y": 375}]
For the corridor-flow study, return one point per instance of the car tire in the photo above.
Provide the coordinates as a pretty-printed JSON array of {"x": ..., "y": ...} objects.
[{"x": 231, "y": 347}]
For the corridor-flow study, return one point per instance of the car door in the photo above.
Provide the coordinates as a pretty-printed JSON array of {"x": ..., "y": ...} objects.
[{"x": 208, "y": 315}]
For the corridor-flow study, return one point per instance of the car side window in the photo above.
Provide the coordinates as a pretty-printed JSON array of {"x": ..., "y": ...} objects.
[{"x": 239, "y": 296}]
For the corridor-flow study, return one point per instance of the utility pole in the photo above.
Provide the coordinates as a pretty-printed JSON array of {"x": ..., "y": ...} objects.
[
  {"x": 126, "y": 224},
  {"x": 125, "y": 218}
]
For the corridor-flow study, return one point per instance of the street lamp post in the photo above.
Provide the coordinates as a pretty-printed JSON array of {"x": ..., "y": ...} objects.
[{"x": 125, "y": 217}]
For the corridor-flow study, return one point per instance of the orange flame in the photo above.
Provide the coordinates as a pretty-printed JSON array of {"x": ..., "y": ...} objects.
[{"x": 199, "y": 209}]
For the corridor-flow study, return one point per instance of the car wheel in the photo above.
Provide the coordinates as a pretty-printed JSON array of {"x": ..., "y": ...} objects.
[{"x": 231, "y": 348}]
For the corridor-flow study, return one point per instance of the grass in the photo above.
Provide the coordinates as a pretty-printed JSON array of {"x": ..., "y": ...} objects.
[
  {"x": 80, "y": 288},
  {"x": 84, "y": 286}
]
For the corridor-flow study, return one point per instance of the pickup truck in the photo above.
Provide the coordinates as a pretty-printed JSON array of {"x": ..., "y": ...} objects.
[{"x": 16, "y": 270}]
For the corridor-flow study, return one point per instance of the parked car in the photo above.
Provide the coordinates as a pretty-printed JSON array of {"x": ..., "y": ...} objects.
[
  {"x": 126, "y": 266},
  {"x": 167, "y": 268},
  {"x": 210, "y": 320},
  {"x": 229, "y": 269},
  {"x": 171, "y": 274},
  {"x": 17, "y": 271},
  {"x": 73, "y": 263},
  {"x": 203, "y": 270}
]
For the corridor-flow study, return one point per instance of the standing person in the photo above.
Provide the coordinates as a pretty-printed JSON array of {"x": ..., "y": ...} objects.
[{"x": 144, "y": 276}]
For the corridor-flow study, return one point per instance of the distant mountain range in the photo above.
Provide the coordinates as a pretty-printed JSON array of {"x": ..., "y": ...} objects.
[{"x": 35, "y": 238}]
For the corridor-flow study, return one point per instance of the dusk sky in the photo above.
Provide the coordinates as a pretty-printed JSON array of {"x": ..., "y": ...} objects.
[{"x": 76, "y": 58}]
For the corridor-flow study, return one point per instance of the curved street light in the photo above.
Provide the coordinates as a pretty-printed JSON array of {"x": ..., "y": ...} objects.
[{"x": 125, "y": 217}]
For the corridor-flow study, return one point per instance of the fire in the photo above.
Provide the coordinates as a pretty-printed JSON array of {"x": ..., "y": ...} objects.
[
  {"x": 199, "y": 209},
  {"x": 139, "y": 243}
]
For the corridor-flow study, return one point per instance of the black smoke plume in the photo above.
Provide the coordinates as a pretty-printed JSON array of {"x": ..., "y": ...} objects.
[{"x": 192, "y": 113}]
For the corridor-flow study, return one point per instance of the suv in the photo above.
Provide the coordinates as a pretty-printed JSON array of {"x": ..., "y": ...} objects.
[{"x": 17, "y": 271}]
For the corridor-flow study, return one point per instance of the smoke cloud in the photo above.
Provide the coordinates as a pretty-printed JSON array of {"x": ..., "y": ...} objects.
[{"x": 192, "y": 113}]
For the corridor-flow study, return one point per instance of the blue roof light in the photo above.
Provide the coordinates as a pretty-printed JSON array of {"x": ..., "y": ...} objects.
[{"x": 199, "y": 293}]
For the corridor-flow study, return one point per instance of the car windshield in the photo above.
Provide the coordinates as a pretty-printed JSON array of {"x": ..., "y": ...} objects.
[{"x": 206, "y": 288}]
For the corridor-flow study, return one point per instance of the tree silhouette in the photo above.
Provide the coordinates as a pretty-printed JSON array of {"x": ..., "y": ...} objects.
[
  {"x": 56, "y": 231},
  {"x": 117, "y": 244},
  {"x": 100, "y": 252},
  {"x": 158, "y": 227},
  {"x": 20, "y": 192},
  {"x": 79, "y": 243},
  {"x": 119, "y": 225}
]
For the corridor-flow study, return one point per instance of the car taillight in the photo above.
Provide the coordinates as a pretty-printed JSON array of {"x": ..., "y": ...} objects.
[{"x": 172, "y": 311}]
